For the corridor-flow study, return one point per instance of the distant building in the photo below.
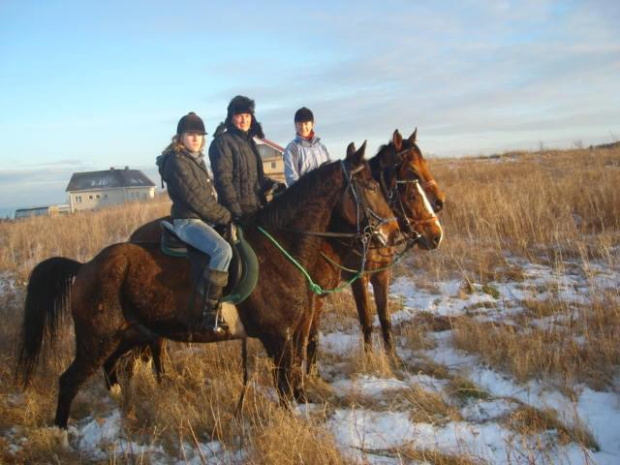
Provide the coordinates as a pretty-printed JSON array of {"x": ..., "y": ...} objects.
[
  {"x": 273, "y": 158},
  {"x": 99, "y": 189},
  {"x": 51, "y": 210}
]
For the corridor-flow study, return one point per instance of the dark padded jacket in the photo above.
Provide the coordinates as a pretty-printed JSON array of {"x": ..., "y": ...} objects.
[
  {"x": 238, "y": 171},
  {"x": 191, "y": 189}
]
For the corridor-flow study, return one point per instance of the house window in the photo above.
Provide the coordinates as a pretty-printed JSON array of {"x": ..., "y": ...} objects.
[
  {"x": 98, "y": 196},
  {"x": 105, "y": 196},
  {"x": 90, "y": 197},
  {"x": 78, "y": 199},
  {"x": 273, "y": 164}
]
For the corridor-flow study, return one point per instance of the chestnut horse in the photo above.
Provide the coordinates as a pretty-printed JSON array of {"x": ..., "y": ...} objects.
[
  {"x": 130, "y": 294},
  {"x": 414, "y": 197}
]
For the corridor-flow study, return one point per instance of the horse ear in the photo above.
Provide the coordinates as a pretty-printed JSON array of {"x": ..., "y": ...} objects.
[
  {"x": 397, "y": 140},
  {"x": 356, "y": 157},
  {"x": 351, "y": 149},
  {"x": 362, "y": 149},
  {"x": 413, "y": 136}
]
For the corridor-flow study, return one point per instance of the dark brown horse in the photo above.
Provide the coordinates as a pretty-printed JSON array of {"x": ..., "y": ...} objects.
[
  {"x": 414, "y": 196},
  {"x": 130, "y": 294}
]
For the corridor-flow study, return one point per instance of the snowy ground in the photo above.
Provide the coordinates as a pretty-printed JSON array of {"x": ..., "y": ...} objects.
[{"x": 369, "y": 435}]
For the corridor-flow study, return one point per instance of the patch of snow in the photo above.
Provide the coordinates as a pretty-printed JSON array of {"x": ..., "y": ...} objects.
[
  {"x": 370, "y": 386},
  {"x": 340, "y": 343}
]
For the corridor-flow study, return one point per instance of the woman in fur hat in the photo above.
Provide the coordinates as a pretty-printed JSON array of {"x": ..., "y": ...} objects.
[
  {"x": 195, "y": 211},
  {"x": 237, "y": 167}
]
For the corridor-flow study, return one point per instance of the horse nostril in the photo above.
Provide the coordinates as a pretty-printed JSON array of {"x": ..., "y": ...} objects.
[{"x": 436, "y": 240}]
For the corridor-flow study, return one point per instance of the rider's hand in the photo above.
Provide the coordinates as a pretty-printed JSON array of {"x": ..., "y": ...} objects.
[{"x": 278, "y": 187}]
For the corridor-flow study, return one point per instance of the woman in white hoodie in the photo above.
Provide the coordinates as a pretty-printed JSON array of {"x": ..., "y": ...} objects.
[{"x": 305, "y": 152}]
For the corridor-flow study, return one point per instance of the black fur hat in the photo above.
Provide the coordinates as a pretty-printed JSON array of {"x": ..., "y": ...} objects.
[
  {"x": 191, "y": 123},
  {"x": 240, "y": 104},
  {"x": 303, "y": 114}
]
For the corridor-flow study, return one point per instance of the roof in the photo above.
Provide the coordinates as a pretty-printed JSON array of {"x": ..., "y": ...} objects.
[
  {"x": 268, "y": 149},
  {"x": 109, "y": 179},
  {"x": 30, "y": 209},
  {"x": 270, "y": 143}
]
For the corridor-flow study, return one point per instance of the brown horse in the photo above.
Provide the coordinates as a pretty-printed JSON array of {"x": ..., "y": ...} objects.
[
  {"x": 408, "y": 184},
  {"x": 406, "y": 180},
  {"x": 130, "y": 294}
]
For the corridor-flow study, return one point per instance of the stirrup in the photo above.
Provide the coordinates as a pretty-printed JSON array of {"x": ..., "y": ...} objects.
[{"x": 213, "y": 321}]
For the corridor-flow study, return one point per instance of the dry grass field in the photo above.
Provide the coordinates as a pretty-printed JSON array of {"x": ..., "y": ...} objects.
[{"x": 506, "y": 217}]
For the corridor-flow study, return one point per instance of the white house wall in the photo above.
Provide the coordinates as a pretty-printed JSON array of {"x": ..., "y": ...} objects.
[{"x": 96, "y": 199}]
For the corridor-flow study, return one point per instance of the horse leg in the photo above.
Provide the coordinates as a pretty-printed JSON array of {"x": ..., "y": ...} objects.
[
  {"x": 380, "y": 284},
  {"x": 282, "y": 351},
  {"x": 301, "y": 350},
  {"x": 360, "y": 293},
  {"x": 313, "y": 340},
  {"x": 82, "y": 368},
  {"x": 110, "y": 367},
  {"x": 158, "y": 348},
  {"x": 134, "y": 345}
]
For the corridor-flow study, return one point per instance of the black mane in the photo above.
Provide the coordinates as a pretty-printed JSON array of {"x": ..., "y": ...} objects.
[{"x": 310, "y": 188}]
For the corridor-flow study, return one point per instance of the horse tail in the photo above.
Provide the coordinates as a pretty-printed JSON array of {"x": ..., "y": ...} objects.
[{"x": 47, "y": 302}]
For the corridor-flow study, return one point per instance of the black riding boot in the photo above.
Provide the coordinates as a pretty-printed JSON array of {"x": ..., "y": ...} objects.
[{"x": 211, "y": 315}]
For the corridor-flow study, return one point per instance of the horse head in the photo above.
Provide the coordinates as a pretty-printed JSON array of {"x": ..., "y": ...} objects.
[
  {"x": 409, "y": 150},
  {"x": 364, "y": 205},
  {"x": 413, "y": 193}
]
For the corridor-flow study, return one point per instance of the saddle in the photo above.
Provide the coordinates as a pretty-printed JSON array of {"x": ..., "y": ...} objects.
[{"x": 243, "y": 269}]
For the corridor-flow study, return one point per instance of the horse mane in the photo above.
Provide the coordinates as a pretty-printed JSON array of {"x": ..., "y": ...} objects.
[{"x": 285, "y": 208}]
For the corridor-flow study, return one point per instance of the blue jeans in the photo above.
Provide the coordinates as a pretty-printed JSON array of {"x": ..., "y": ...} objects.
[{"x": 203, "y": 237}]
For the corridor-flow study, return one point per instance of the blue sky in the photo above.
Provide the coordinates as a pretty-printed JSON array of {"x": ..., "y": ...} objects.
[{"x": 87, "y": 85}]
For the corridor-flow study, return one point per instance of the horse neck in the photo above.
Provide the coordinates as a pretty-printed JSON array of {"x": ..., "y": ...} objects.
[{"x": 299, "y": 212}]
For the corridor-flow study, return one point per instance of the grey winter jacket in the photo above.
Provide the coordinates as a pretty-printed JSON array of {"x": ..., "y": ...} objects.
[
  {"x": 302, "y": 155},
  {"x": 191, "y": 190},
  {"x": 238, "y": 171}
]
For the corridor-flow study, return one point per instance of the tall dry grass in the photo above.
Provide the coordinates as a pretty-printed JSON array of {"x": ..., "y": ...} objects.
[
  {"x": 79, "y": 236},
  {"x": 556, "y": 208}
]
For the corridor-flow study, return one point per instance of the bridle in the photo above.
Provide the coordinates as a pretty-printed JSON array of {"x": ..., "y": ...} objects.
[
  {"x": 364, "y": 235},
  {"x": 363, "y": 211},
  {"x": 394, "y": 196}
]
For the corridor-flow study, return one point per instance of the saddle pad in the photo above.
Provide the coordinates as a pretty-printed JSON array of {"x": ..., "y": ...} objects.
[{"x": 243, "y": 269}]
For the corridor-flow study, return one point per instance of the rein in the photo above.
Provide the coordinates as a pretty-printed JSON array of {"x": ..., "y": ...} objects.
[
  {"x": 314, "y": 287},
  {"x": 364, "y": 235},
  {"x": 360, "y": 201}
]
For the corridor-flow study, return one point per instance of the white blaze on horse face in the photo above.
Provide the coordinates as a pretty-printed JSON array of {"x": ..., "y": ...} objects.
[
  {"x": 427, "y": 204},
  {"x": 430, "y": 210}
]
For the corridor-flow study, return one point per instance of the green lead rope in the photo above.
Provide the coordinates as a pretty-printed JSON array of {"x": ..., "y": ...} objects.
[{"x": 314, "y": 287}]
